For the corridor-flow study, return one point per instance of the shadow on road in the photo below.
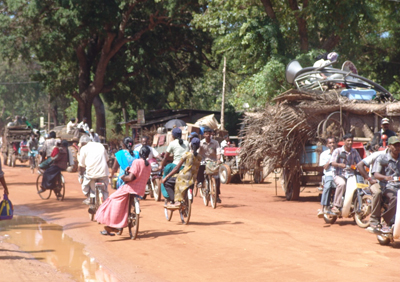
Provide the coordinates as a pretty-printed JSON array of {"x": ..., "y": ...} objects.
[
  {"x": 215, "y": 223},
  {"x": 148, "y": 234}
]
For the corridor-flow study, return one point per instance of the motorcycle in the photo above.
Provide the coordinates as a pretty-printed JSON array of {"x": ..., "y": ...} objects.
[
  {"x": 153, "y": 185},
  {"x": 357, "y": 200},
  {"x": 394, "y": 233}
]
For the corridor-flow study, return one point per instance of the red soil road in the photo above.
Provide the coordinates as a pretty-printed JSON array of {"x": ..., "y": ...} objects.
[{"x": 252, "y": 236}]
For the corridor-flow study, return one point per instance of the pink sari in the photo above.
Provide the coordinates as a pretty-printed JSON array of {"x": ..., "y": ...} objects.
[{"x": 114, "y": 211}]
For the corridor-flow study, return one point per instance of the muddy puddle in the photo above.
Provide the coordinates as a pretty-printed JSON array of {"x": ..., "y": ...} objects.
[{"x": 48, "y": 243}]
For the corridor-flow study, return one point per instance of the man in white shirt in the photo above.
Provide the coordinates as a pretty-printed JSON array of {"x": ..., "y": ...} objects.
[
  {"x": 153, "y": 152},
  {"x": 209, "y": 150},
  {"x": 328, "y": 178},
  {"x": 93, "y": 167},
  {"x": 83, "y": 125},
  {"x": 95, "y": 136}
]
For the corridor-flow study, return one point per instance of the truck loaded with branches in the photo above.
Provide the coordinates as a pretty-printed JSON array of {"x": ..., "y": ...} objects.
[{"x": 290, "y": 134}]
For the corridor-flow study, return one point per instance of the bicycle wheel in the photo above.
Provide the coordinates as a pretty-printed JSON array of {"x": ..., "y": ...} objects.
[
  {"x": 47, "y": 193},
  {"x": 32, "y": 164},
  {"x": 204, "y": 191},
  {"x": 195, "y": 189},
  {"x": 61, "y": 186},
  {"x": 213, "y": 192},
  {"x": 156, "y": 187},
  {"x": 186, "y": 209},
  {"x": 92, "y": 203},
  {"x": 133, "y": 218}
]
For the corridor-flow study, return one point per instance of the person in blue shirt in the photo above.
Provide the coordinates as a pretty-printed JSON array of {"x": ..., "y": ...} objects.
[{"x": 124, "y": 158}]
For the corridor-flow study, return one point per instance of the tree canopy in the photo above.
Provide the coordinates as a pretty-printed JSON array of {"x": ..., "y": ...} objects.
[{"x": 155, "y": 54}]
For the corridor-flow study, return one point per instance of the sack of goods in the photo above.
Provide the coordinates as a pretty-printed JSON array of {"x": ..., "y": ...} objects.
[
  {"x": 46, "y": 163},
  {"x": 6, "y": 209},
  {"x": 212, "y": 168}
]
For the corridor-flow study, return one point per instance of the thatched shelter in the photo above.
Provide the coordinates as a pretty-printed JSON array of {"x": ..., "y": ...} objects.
[{"x": 278, "y": 134}]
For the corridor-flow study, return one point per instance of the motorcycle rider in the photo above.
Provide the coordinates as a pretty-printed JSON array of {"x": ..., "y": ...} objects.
[
  {"x": 385, "y": 173},
  {"x": 376, "y": 189},
  {"x": 352, "y": 158},
  {"x": 328, "y": 178}
]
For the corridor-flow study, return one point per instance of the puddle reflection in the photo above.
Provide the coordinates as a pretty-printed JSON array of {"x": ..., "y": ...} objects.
[{"x": 48, "y": 243}]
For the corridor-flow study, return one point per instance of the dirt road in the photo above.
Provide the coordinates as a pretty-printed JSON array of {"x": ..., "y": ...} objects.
[{"x": 252, "y": 236}]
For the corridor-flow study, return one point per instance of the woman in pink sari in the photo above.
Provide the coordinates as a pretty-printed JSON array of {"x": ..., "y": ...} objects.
[{"x": 114, "y": 211}]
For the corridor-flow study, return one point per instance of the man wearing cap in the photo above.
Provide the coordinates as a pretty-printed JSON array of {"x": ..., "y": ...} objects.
[
  {"x": 93, "y": 167},
  {"x": 377, "y": 141},
  {"x": 193, "y": 135},
  {"x": 385, "y": 169}
]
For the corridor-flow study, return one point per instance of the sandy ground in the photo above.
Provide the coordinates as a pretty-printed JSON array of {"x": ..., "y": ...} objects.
[{"x": 254, "y": 235}]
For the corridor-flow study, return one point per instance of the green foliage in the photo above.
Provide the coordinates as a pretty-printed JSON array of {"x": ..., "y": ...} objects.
[{"x": 19, "y": 95}]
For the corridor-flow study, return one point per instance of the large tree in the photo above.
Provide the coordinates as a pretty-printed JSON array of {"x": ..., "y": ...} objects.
[
  {"x": 259, "y": 38},
  {"x": 95, "y": 46}
]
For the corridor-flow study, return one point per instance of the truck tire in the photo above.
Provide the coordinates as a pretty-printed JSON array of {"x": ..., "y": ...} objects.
[
  {"x": 292, "y": 188},
  {"x": 225, "y": 174},
  {"x": 258, "y": 176}
]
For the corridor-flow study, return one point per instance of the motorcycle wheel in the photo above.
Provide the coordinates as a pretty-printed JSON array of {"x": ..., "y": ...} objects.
[
  {"x": 362, "y": 218},
  {"x": 383, "y": 240},
  {"x": 330, "y": 219}
]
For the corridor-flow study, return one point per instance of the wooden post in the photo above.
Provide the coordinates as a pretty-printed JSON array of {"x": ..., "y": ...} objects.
[
  {"x": 48, "y": 116},
  {"x": 223, "y": 97}
]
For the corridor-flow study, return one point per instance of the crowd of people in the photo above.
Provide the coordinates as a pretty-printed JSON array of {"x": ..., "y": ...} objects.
[{"x": 383, "y": 166}]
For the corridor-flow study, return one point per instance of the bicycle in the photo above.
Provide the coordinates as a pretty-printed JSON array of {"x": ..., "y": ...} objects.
[
  {"x": 33, "y": 160},
  {"x": 133, "y": 215},
  {"x": 97, "y": 200},
  {"x": 209, "y": 192},
  {"x": 153, "y": 186},
  {"x": 59, "y": 189},
  {"x": 185, "y": 209}
]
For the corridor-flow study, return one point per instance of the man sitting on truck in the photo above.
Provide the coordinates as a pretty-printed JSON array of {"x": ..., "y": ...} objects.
[
  {"x": 341, "y": 166},
  {"x": 377, "y": 140},
  {"x": 328, "y": 178}
]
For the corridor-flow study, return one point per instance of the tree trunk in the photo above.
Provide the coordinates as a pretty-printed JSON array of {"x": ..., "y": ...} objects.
[
  {"x": 54, "y": 113},
  {"x": 100, "y": 116},
  {"x": 85, "y": 110},
  {"x": 301, "y": 24}
]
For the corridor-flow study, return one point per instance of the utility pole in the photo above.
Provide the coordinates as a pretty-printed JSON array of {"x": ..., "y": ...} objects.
[
  {"x": 223, "y": 97},
  {"x": 48, "y": 116}
]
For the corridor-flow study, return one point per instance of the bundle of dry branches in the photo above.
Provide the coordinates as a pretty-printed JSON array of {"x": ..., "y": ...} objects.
[{"x": 278, "y": 134}]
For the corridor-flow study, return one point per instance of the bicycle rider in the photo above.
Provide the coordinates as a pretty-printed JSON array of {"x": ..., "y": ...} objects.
[
  {"x": 93, "y": 167},
  {"x": 33, "y": 147},
  {"x": 209, "y": 151}
]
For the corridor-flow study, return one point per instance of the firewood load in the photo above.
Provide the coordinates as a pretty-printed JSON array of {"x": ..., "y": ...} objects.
[{"x": 278, "y": 134}]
